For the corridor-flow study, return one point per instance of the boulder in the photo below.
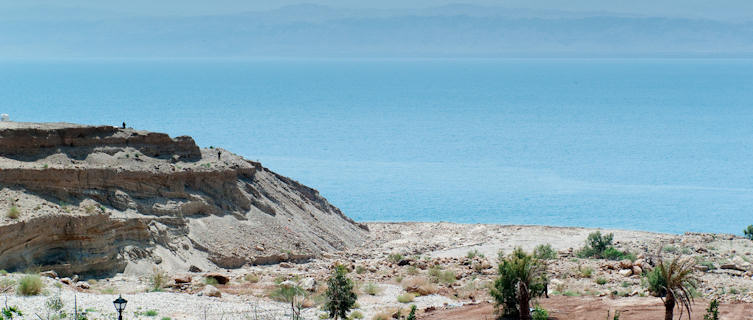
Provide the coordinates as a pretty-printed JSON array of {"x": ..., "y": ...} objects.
[
  {"x": 308, "y": 284},
  {"x": 626, "y": 264},
  {"x": 66, "y": 280},
  {"x": 626, "y": 272},
  {"x": 183, "y": 279},
  {"x": 210, "y": 291},
  {"x": 637, "y": 270},
  {"x": 49, "y": 274},
  {"x": 193, "y": 268},
  {"x": 731, "y": 266},
  {"x": 83, "y": 285},
  {"x": 221, "y": 278}
]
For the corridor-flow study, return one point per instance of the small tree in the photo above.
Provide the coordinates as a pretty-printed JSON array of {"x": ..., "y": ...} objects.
[
  {"x": 672, "y": 282},
  {"x": 749, "y": 232},
  {"x": 412, "y": 314},
  {"x": 712, "y": 313},
  {"x": 521, "y": 278},
  {"x": 340, "y": 295}
]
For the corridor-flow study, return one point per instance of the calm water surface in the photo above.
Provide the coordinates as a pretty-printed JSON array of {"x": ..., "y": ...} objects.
[{"x": 660, "y": 145}]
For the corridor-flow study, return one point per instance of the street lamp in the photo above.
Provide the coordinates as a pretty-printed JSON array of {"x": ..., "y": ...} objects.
[{"x": 120, "y": 305}]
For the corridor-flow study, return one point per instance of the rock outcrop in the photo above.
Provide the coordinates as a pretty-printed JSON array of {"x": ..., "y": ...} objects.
[{"x": 101, "y": 200}]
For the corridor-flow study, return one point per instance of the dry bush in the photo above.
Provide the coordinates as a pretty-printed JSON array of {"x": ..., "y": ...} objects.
[{"x": 420, "y": 285}]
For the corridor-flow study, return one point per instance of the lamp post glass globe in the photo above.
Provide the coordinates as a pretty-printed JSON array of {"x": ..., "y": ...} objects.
[{"x": 120, "y": 305}]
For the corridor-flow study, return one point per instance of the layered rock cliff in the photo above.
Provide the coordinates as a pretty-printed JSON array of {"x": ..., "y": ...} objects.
[{"x": 102, "y": 200}]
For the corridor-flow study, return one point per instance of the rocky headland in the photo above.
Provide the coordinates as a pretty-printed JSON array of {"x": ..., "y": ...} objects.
[{"x": 101, "y": 200}]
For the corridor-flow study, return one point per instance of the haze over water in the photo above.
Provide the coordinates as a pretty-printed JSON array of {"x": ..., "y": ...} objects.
[{"x": 659, "y": 145}]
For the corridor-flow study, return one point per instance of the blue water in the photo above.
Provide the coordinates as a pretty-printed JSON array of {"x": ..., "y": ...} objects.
[{"x": 660, "y": 145}]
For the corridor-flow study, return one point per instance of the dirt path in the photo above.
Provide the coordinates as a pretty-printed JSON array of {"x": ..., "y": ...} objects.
[{"x": 590, "y": 308}]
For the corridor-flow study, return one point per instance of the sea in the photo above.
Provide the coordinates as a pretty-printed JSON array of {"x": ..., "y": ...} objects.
[{"x": 655, "y": 145}]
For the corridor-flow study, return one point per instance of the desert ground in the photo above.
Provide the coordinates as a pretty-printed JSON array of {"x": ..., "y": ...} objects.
[{"x": 444, "y": 269}]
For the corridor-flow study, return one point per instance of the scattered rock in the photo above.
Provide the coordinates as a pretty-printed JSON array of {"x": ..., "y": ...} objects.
[
  {"x": 193, "y": 268},
  {"x": 626, "y": 264},
  {"x": 210, "y": 291},
  {"x": 731, "y": 266},
  {"x": 637, "y": 270},
  {"x": 182, "y": 279},
  {"x": 49, "y": 274},
  {"x": 626, "y": 272},
  {"x": 83, "y": 285},
  {"x": 66, "y": 280}
]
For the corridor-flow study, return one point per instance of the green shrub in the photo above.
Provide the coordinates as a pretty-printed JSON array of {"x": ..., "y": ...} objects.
[
  {"x": 355, "y": 315},
  {"x": 13, "y": 212},
  {"x": 412, "y": 271},
  {"x": 670, "y": 249},
  {"x": 158, "y": 280},
  {"x": 544, "y": 252},
  {"x": 213, "y": 282},
  {"x": 151, "y": 313},
  {"x": 370, "y": 289},
  {"x": 474, "y": 253},
  {"x": 8, "y": 313},
  {"x": 251, "y": 277},
  {"x": 539, "y": 313},
  {"x": 412, "y": 314},
  {"x": 612, "y": 253},
  {"x": 749, "y": 232},
  {"x": 601, "y": 281},
  {"x": 395, "y": 257},
  {"x": 585, "y": 272},
  {"x": 712, "y": 313},
  {"x": 360, "y": 269},
  {"x": 707, "y": 264},
  {"x": 30, "y": 285},
  {"x": 405, "y": 298}
]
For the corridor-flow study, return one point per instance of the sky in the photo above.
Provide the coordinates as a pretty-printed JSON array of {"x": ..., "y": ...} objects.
[
  {"x": 375, "y": 28},
  {"x": 716, "y": 9}
]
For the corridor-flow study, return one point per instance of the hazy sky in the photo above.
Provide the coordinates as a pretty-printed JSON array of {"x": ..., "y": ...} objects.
[{"x": 716, "y": 9}]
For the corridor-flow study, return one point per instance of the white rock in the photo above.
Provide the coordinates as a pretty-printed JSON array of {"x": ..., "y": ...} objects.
[
  {"x": 308, "y": 284},
  {"x": 626, "y": 272},
  {"x": 210, "y": 291}
]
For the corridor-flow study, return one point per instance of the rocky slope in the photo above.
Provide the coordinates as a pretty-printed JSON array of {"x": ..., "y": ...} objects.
[{"x": 103, "y": 200}]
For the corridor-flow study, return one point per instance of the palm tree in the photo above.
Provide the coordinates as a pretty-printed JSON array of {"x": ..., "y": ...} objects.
[
  {"x": 521, "y": 278},
  {"x": 673, "y": 282}
]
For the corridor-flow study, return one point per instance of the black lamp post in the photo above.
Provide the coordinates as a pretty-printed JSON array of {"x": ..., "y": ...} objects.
[{"x": 120, "y": 305}]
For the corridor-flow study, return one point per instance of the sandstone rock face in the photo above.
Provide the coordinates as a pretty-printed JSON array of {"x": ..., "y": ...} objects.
[{"x": 96, "y": 200}]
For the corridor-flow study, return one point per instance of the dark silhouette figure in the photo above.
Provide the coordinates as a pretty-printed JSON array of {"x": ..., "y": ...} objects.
[
  {"x": 219, "y": 154},
  {"x": 123, "y": 124}
]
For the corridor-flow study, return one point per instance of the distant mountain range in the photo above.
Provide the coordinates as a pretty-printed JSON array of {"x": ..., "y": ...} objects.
[{"x": 321, "y": 31}]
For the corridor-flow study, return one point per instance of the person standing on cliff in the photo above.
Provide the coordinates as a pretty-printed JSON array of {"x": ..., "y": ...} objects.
[
  {"x": 123, "y": 124},
  {"x": 219, "y": 155}
]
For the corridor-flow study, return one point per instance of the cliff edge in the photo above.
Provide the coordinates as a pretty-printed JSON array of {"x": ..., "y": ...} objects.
[{"x": 99, "y": 200}]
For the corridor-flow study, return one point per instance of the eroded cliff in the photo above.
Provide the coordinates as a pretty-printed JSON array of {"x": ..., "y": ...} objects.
[{"x": 102, "y": 200}]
